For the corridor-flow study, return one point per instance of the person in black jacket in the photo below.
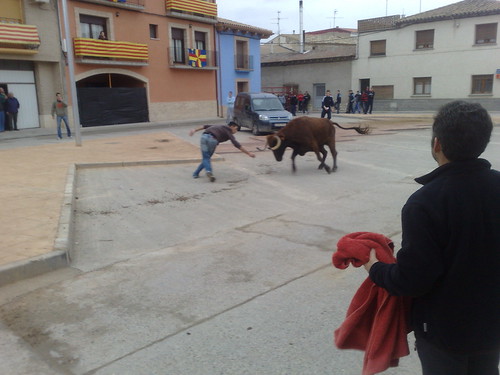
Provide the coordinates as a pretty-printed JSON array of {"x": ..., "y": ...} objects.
[
  {"x": 326, "y": 105},
  {"x": 449, "y": 260}
]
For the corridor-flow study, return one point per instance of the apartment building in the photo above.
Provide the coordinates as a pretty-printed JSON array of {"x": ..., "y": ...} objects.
[
  {"x": 143, "y": 60},
  {"x": 30, "y": 58}
]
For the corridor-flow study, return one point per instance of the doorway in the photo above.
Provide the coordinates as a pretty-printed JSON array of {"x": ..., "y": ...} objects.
[{"x": 319, "y": 91}]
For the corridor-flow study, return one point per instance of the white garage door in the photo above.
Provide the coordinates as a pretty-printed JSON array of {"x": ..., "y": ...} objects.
[{"x": 22, "y": 84}]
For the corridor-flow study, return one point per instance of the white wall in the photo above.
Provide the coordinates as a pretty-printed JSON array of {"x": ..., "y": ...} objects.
[{"x": 451, "y": 63}]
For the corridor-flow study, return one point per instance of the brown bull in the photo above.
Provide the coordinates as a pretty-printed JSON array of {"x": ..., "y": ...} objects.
[{"x": 304, "y": 134}]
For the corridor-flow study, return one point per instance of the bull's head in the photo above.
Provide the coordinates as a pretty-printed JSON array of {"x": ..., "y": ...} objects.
[{"x": 277, "y": 145}]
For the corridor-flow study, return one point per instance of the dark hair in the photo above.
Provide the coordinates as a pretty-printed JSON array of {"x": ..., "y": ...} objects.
[
  {"x": 232, "y": 123},
  {"x": 463, "y": 129}
]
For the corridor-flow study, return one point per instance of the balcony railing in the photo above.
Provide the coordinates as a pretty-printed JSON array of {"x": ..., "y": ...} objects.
[
  {"x": 128, "y": 4},
  {"x": 19, "y": 38},
  {"x": 118, "y": 50},
  {"x": 195, "y": 7},
  {"x": 192, "y": 58}
]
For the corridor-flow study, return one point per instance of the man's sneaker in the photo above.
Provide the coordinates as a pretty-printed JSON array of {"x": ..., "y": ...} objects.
[
  {"x": 210, "y": 176},
  {"x": 195, "y": 176}
]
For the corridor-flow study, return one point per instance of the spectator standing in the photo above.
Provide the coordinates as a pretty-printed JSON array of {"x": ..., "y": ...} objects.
[
  {"x": 293, "y": 103},
  {"x": 326, "y": 104},
  {"x": 3, "y": 99},
  {"x": 11, "y": 109},
  {"x": 60, "y": 110},
  {"x": 300, "y": 98},
  {"x": 371, "y": 97},
  {"x": 364, "y": 101},
  {"x": 357, "y": 102},
  {"x": 102, "y": 36},
  {"x": 338, "y": 101},
  {"x": 305, "y": 105},
  {"x": 350, "y": 103},
  {"x": 230, "y": 106},
  {"x": 449, "y": 226}
]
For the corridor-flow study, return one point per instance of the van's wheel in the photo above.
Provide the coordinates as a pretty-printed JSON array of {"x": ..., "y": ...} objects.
[{"x": 255, "y": 130}]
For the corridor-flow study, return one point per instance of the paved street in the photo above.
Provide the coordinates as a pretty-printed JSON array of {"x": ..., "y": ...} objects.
[{"x": 172, "y": 275}]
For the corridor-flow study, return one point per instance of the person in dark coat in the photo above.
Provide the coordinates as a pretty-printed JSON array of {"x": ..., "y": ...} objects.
[
  {"x": 327, "y": 105},
  {"x": 338, "y": 101},
  {"x": 293, "y": 104},
  {"x": 11, "y": 110},
  {"x": 449, "y": 261}
]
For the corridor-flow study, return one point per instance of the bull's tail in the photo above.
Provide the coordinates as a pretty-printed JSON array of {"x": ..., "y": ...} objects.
[{"x": 359, "y": 129}]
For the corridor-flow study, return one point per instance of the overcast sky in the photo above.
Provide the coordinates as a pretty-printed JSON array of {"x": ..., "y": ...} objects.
[{"x": 318, "y": 14}]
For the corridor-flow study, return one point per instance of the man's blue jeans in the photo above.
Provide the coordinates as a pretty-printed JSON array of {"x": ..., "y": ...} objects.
[
  {"x": 207, "y": 144},
  {"x": 2, "y": 121},
  {"x": 65, "y": 119}
]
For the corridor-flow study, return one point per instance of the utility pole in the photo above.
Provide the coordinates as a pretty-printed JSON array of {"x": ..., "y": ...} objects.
[{"x": 71, "y": 69}]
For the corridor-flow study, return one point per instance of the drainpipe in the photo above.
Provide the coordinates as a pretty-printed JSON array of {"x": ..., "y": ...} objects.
[
  {"x": 218, "y": 73},
  {"x": 301, "y": 28}
]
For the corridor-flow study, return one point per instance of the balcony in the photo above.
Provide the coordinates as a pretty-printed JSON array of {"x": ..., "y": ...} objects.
[
  {"x": 110, "y": 52},
  {"x": 192, "y": 59},
  {"x": 192, "y": 9},
  {"x": 17, "y": 38},
  {"x": 124, "y": 4}
]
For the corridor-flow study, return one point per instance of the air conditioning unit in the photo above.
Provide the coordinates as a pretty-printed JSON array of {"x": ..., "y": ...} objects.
[{"x": 41, "y": 1}]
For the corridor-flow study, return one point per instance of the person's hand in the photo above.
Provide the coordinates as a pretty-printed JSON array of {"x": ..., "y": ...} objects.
[
  {"x": 372, "y": 261},
  {"x": 191, "y": 132},
  {"x": 251, "y": 154}
]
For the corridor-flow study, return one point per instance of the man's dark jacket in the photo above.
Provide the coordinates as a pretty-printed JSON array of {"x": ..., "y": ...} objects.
[{"x": 450, "y": 257}]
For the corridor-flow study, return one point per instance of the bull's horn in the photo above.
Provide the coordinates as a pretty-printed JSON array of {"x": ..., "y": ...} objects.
[{"x": 278, "y": 143}]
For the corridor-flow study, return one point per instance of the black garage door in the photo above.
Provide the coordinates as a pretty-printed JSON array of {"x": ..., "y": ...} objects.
[{"x": 110, "y": 106}]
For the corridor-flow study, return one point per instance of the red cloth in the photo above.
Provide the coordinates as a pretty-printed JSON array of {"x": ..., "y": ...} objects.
[{"x": 376, "y": 322}]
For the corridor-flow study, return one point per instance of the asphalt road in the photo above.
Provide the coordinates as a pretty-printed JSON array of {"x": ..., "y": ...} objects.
[{"x": 172, "y": 275}]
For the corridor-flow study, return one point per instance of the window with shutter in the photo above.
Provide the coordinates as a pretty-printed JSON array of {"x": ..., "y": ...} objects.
[
  {"x": 424, "y": 39},
  {"x": 486, "y": 33},
  {"x": 377, "y": 48}
]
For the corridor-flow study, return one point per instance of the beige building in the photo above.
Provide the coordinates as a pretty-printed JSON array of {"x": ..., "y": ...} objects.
[
  {"x": 30, "y": 58},
  {"x": 325, "y": 64}
]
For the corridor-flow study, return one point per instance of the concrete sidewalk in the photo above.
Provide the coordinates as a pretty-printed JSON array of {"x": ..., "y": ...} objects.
[
  {"x": 38, "y": 181},
  {"x": 38, "y": 185}
]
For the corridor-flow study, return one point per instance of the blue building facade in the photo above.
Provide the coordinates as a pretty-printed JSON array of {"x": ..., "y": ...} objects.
[{"x": 239, "y": 59}]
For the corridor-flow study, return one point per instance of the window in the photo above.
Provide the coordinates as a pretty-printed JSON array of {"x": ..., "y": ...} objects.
[
  {"x": 422, "y": 86},
  {"x": 91, "y": 26},
  {"x": 242, "y": 58},
  {"x": 384, "y": 91},
  {"x": 482, "y": 84},
  {"x": 377, "y": 48},
  {"x": 153, "y": 31},
  {"x": 200, "y": 40},
  {"x": 178, "y": 45},
  {"x": 424, "y": 39},
  {"x": 486, "y": 33}
]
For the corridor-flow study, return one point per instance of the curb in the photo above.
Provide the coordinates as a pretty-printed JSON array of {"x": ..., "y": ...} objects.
[{"x": 63, "y": 244}]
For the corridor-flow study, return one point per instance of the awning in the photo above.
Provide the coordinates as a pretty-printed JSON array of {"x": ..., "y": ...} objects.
[
  {"x": 111, "y": 49},
  {"x": 193, "y": 6},
  {"x": 17, "y": 34}
]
